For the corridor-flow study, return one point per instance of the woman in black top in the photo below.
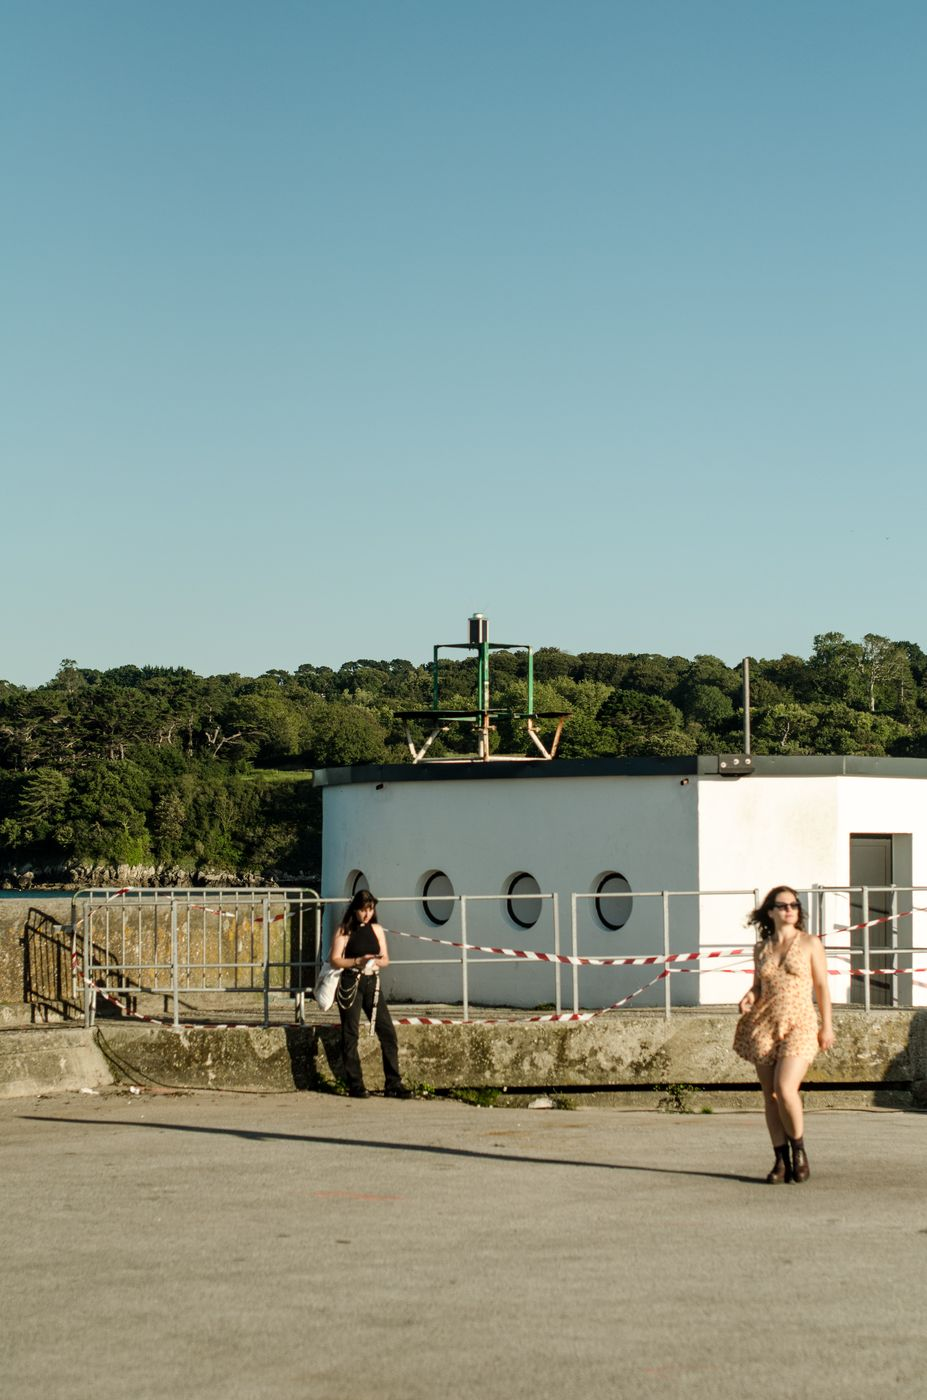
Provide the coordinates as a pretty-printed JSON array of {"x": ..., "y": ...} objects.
[{"x": 359, "y": 948}]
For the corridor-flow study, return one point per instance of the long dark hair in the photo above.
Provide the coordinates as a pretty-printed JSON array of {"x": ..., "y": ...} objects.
[
  {"x": 363, "y": 899},
  {"x": 762, "y": 918}
]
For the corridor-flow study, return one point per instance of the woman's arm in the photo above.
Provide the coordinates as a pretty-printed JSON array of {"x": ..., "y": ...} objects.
[
  {"x": 750, "y": 998},
  {"x": 337, "y": 958},
  {"x": 383, "y": 955},
  {"x": 822, "y": 993}
]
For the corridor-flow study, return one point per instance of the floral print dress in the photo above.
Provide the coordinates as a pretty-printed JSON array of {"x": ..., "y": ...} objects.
[{"x": 783, "y": 1020}]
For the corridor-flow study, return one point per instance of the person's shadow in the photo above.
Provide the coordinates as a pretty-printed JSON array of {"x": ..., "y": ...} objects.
[
  {"x": 427, "y": 1149},
  {"x": 905, "y": 1080}
]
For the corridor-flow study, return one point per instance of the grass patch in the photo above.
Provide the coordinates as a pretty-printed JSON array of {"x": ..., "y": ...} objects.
[
  {"x": 271, "y": 776},
  {"x": 478, "y": 1098},
  {"x": 675, "y": 1098}
]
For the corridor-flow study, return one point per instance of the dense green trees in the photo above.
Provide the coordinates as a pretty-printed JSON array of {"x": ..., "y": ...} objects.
[{"x": 182, "y": 776}]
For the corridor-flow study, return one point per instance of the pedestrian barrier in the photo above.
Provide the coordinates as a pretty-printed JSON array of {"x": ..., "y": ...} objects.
[{"x": 190, "y": 948}]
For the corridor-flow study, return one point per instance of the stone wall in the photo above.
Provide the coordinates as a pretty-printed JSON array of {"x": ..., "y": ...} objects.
[{"x": 36, "y": 946}]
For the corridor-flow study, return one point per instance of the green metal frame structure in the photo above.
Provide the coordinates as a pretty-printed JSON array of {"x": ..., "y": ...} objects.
[{"x": 483, "y": 712}]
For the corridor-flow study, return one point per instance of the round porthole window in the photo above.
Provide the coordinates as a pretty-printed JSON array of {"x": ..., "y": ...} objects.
[
  {"x": 437, "y": 897},
  {"x": 523, "y": 909},
  {"x": 357, "y": 880},
  {"x": 613, "y": 900}
]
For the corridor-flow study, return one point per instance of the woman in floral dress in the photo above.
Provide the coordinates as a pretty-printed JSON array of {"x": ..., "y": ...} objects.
[{"x": 778, "y": 1030}]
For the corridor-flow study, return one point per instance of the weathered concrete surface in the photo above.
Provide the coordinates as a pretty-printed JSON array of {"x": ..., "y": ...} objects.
[
  {"x": 229, "y": 1246},
  {"x": 38, "y": 1060},
  {"x": 276, "y": 1060},
  {"x": 632, "y": 1049}
]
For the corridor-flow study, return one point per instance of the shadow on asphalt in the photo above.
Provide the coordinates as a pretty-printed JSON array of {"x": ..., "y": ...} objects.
[{"x": 393, "y": 1147}]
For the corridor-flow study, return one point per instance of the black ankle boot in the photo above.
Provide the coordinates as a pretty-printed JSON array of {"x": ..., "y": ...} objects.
[
  {"x": 800, "y": 1169},
  {"x": 781, "y": 1171}
]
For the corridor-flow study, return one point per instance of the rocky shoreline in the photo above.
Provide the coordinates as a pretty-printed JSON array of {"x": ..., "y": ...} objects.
[{"x": 27, "y": 879}]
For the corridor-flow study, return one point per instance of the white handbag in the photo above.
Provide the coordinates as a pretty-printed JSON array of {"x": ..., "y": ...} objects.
[{"x": 326, "y": 986}]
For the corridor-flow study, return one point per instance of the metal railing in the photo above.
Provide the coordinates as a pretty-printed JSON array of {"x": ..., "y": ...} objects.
[
  {"x": 176, "y": 944},
  {"x": 862, "y": 923},
  {"x": 171, "y": 943}
]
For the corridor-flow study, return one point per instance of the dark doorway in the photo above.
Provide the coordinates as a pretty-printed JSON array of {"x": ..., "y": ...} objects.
[{"x": 871, "y": 866}]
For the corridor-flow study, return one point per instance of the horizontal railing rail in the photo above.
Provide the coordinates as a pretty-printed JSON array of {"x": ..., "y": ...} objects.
[{"x": 179, "y": 944}]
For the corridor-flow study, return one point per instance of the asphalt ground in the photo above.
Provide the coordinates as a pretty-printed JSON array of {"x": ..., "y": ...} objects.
[{"x": 235, "y": 1245}]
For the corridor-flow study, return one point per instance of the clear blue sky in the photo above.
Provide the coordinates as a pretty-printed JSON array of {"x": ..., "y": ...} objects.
[{"x": 325, "y": 324}]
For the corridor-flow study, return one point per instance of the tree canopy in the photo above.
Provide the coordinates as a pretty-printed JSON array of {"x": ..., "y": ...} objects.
[{"x": 162, "y": 770}]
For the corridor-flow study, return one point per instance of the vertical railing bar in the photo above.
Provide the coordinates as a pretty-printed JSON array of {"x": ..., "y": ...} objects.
[
  {"x": 574, "y": 945},
  {"x": 88, "y": 944},
  {"x": 558, "y": 998},
  {"x": 122, "y": 978},
  {"x": 175, "y": 988},
  {"x": 893, "y": 979},
  {"x": 204, "y": 926},
  {"x": 464, "y": 973},
  {"x": 667, "y": 995},
  {"x": 107, "y": 953},
  {"x": 867, "y": 980},
  {"x": 265, "y": 958}
]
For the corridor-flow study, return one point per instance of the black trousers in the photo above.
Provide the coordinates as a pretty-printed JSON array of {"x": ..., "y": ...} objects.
[{"x": 350, "y": 1031}]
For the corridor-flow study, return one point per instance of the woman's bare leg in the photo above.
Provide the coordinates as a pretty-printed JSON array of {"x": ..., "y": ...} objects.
[
  {"x": 788, "y": 1075},
  {"x": 767, "y": 1077}
]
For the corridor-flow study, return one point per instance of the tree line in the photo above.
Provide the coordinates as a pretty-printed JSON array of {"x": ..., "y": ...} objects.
[{"x": 175, "y": 776}]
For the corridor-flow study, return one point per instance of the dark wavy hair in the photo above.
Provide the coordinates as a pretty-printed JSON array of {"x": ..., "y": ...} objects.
[
  {"x": 363, "y": 899},
  {"x": 762, "y": 918}
]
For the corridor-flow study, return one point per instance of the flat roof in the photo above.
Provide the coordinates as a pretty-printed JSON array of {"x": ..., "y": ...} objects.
[{"x": 698, "y": 766}]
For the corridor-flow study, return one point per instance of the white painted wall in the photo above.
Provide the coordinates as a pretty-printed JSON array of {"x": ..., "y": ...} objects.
[
  {"x": 766, "y": 831},
  {"x": 755, "y": 833},
  {"x": 707, "y": 834},
  {"x": 567, "y": 832}
]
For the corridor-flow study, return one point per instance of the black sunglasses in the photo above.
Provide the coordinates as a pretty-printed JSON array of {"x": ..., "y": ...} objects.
[{"x": 793, "y": 904}]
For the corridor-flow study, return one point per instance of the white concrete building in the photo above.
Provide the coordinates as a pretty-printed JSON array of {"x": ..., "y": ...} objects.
[{"x": 608, "y": 837}]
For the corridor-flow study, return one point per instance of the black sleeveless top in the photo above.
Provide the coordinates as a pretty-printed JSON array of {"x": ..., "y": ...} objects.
[{"x": 362, "y": 940}]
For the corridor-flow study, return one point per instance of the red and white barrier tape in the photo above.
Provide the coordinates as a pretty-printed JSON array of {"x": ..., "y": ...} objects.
[
  {"x": 531, "y": 955},
  {"x": 530, "y": 1020},
  {"x": 568, "y": 960}
]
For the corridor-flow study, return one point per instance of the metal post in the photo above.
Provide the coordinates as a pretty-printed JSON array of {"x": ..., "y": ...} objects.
[
  {"x": 558, "y": 999},
  {"x": 573, "y": 949},
  {"x": 483, "y": 698},
  {"x": 746, "y": 704},
  {"x": 464, "y": 980},
  {"x": 175, "y": 974},
  {"x": 667, "y": 995},
  {"x": 88, "y": 945},
  {"x": 265, "y": 957},
  {"x": 867, "y": 999},
  {"x": 530, "y": 681},
  {"x": 894, "y": 999}
]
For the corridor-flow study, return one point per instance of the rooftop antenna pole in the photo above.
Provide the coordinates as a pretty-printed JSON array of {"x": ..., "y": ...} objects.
[
  {"x": 479, "y": 638},
  {"x": 746, "y": 665}
]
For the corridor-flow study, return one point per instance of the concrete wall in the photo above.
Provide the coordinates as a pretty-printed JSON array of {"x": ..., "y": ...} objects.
[
  {"x": 636, "y": 1050},
  {"x": 566, "y": 833}
]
